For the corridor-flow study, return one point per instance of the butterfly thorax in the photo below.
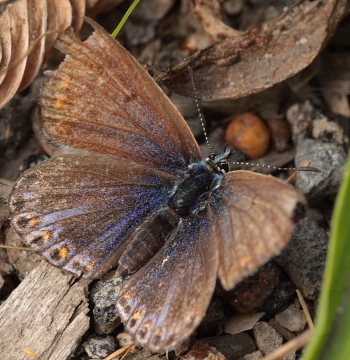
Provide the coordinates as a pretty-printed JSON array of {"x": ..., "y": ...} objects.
[{"x": 190, "y": 195}]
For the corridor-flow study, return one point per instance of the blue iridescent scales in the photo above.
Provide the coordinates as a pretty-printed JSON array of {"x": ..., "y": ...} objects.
[{"x": 133, "y": 197}]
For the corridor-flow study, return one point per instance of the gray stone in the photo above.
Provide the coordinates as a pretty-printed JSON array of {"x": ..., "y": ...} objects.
[
  {"x": 291, "y": 356},
  {"x": 292, "y": 319},
  {"x": 238, "y": 323},
  {"x": 231, "y": 346},
  {"x": 266, "y": 337},
  {"x": 124, "y": 339},
  {"x": 99, "y": 347},
  {"x": 330, "y": 158},
  {"x": 253, "y": 356},
  {"x": 305, "y": 256},
  {"x": 103, "y": 296}
]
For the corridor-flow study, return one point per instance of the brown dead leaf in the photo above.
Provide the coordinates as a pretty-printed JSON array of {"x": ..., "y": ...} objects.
[
  {"x": 262, "y": 56},
  {"x": 209, "y": 13},
  {"x": 22, "y": 46},
  {"x": 14, "y": 30}
]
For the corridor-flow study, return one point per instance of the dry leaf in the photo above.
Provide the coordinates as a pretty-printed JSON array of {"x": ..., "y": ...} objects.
[
  {"x": 208, "y": 12},
  {"x": 22, "y": 22},
  {"x": 262, "y": 56}
]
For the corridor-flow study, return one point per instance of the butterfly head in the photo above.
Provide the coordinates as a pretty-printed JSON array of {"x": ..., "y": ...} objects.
[{"x": 219, "y": 163}]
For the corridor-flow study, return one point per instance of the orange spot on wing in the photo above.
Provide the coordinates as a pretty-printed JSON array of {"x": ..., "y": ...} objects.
[
  {"x": 33, "y": 222},
  {"x": 60, "y": 102},
  {"x": 137, "y": 315},
  {"x": 47, "y": 235},
  {"x": 147, "y": 325},
  {"x": 63, "y": 252},
  {"x": 90, "y": 265},
  {"x": 127, "y": 297}
]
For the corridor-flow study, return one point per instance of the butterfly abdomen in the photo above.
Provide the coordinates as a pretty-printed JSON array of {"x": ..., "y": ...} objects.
[
  {"x": 192, "y": 192},
  {"x": 146, "y": 240}
]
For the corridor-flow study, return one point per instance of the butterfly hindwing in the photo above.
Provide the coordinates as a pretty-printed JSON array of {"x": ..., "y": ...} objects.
[
  {"x": 77, "y": 210},
  {"x": 253, "y": 221},
  {"x": 165, "y": 301}
]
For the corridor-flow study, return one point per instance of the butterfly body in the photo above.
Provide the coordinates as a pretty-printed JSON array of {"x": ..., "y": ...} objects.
[
  {"x": 190, "y": 195},
  {"x": 187, "y": 197},
  {"x": 138, "y": 196},
  {"x": 146, "y": 240}
]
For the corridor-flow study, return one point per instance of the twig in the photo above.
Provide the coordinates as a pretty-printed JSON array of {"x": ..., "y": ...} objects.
[
  {"x": 305, "y": 309},
  {"x": 123, "y": 351}
]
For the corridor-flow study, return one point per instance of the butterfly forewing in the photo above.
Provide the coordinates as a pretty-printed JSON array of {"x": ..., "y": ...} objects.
[
  {"x": 165, "y": 301},
  {"x": 101, "y": 99},
  {"x": 77, "y": 210},
  {"x": 253, "y": 221}
]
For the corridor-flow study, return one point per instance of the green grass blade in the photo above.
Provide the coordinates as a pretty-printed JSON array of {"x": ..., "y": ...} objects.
[
  {"x": 331, "y": 339},
  {"x": 125, "y": 18}
]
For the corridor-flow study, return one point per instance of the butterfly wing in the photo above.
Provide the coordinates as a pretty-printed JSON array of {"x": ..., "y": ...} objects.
[
  {"x": 102, "y": 100},
  {"x": 78, "y": 209},
  {"x": 252, "y": 220},
  {"x": 165, "y": 301}
]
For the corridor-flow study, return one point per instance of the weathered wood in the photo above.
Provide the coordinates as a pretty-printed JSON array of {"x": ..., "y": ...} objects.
[{"x": 45, "y": 314}]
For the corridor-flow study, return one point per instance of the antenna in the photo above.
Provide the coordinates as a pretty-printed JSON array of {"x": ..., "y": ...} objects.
[
  {"x": 222, "y": 158},
  {"x": 200, "y": 113},
  {"x": 301, "y": 168}
]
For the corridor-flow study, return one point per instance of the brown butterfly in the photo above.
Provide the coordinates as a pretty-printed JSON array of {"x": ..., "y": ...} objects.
[{"x": 133, "y": 191}]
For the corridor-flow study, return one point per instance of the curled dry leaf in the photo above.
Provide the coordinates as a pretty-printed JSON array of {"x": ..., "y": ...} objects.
[
  {"x": 22, "y": 44},
  {"x": 209, "y": 13},
  {"x": 261, "y": 57}
]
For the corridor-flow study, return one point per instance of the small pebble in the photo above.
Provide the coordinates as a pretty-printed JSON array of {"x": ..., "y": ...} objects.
[
  {"x": 103, "y": 296},
  {"x": 250, "y": 294},
  {"x": 238, "y": 323},
  {"x": 231, "y": 346},
  {"x": 291, "y": 356},
  {"x": 330, "y": 158},
  {"x": 305, "y": 256},
  {"x": 248, "y": 133},
  {"x": 203, "y": 352},
  {"x": 253, "y": 356},
  {"x": 99, "y": 347},
  {"x": 282, "y": 294},
  {"x": 292, "y": 319},
  {"x": 198, "y": 41},
  {"x": 266, "y": 337},
  {"x": 125, "y": 339}
]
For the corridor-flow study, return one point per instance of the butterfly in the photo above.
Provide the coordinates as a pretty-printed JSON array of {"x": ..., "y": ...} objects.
[{"x": 131, "y": 190}]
